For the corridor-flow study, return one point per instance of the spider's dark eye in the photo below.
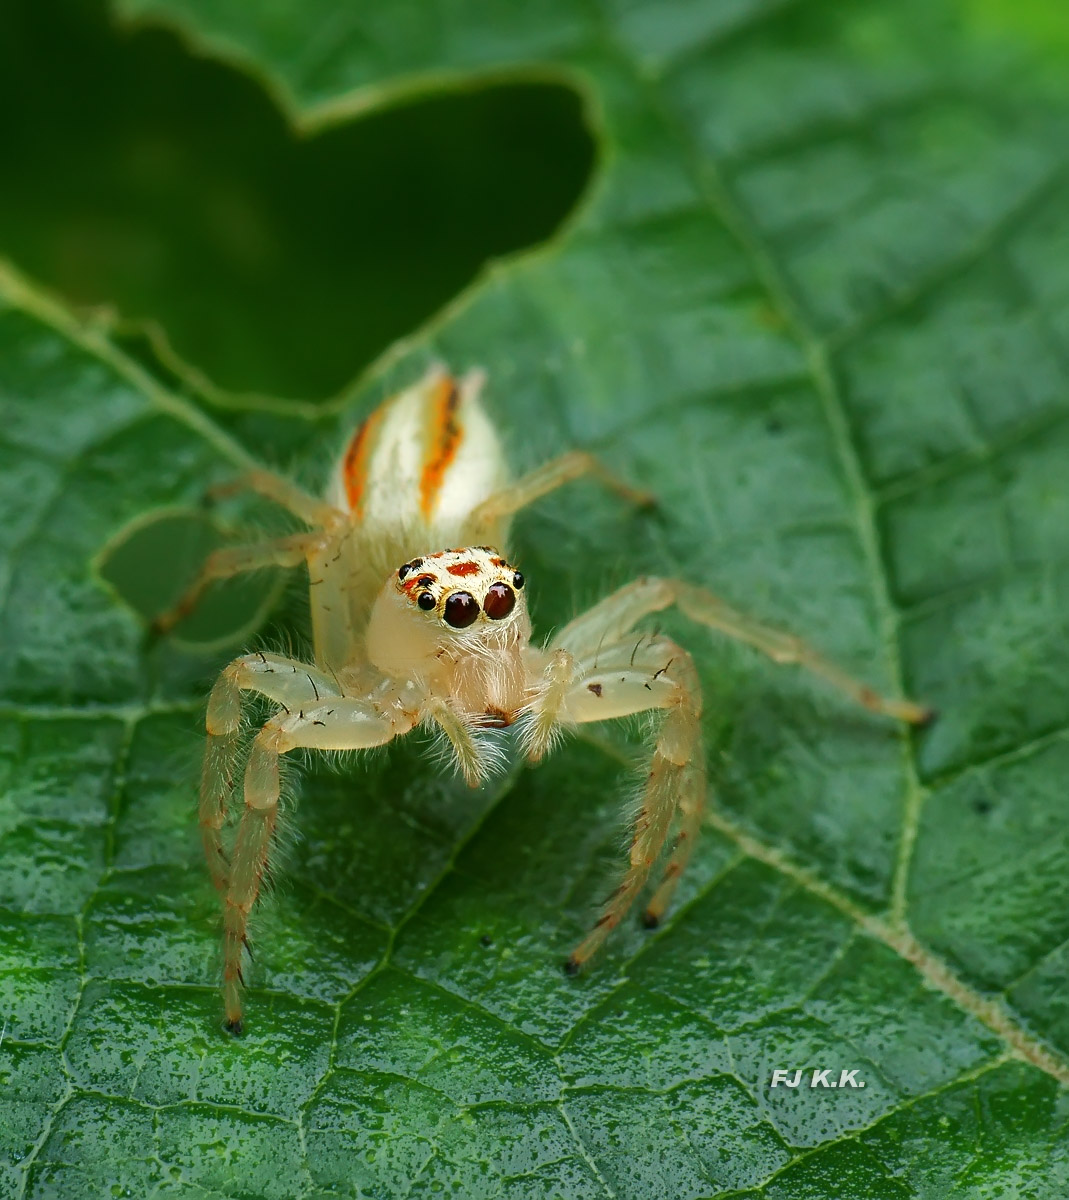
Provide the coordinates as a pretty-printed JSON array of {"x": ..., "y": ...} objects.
[
  {"x": 500, "y": 601},
  {"x": 461, "y": 609},
  {"x": 403, "y": 571},
  {"x": 518, "y": 581},
  {"x": 425, "y": 600}
]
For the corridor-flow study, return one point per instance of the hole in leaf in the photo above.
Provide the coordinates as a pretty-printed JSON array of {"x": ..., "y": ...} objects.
[
  {"x": 171, "y": 188},
  {"x": 152, "y": 562}
]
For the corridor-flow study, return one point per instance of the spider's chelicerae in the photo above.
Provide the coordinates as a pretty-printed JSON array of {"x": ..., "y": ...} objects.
[{"x": 407, "y": 633}]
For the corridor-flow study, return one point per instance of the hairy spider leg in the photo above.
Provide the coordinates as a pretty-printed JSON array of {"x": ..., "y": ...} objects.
[
  {"x": 291, "y": 684},
  {"x": 584, "y": 680},
  {"x": 236, "y": 560},
  {"x": 316, "y": 714},
  {"x": 617, "y": 614},
  {"x": 488, "y": 520},
  {"x": 330, "y": 577},
  {"x": 622, "y": 679},
  {"x": 339, "y": 724},
  {"x": 285, "y": 493}
]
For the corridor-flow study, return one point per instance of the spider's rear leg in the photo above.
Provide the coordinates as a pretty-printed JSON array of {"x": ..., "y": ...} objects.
[
  {"x": 285, "y": 493},
  {"x": 486, "y": 519},
  {"x": 234, "y": 560},
  {"x": 339, "y": 723},
  {"x": 289, "y": 683},
  {"x": 629, "y": 679}
]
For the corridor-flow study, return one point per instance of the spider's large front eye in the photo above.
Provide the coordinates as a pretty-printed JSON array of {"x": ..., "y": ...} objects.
[
  {"x": 500, "y": 601},
  {"x": 461, "y": 609}
]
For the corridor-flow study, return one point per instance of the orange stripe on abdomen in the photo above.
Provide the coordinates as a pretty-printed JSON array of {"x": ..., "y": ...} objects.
[
  {"x": 443, "y": 442},
  {"x": 354, "y": 468}
]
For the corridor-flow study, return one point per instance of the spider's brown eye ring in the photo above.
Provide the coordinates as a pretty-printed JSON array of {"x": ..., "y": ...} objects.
[
  {"x": 461, "y": 609},
  {"x": 518, "y": 581},
  {"x": 500, "y": 601},
  {"x": 425, "y": 600}
]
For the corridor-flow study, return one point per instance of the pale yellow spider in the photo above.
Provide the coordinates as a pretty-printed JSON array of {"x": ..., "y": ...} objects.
[{"x": 408, "y": 633}]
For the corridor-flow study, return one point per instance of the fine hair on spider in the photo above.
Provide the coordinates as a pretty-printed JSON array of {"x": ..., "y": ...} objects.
[{"x": 419, "y": 620}]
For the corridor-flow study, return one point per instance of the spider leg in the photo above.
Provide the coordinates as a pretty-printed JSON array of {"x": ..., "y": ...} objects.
[
  {"x": 285, "y": 493},
  {"x": 234, "y": 560},
  {"x": 338, "y": 724},
  {"x": 293, "y": 685},
  {"x": 486, "y": 519},
  {"x": 632, "y": 679},
  {"x": 618, "y": 613}
]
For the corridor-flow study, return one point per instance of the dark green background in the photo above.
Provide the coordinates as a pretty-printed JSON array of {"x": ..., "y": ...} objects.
[{"x": 812, "y": 287}]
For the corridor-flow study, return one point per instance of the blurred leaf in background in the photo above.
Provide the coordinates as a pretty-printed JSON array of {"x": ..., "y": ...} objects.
[
  {"x": 801, "y": 268},
  {"x": 275, "y": 252}
]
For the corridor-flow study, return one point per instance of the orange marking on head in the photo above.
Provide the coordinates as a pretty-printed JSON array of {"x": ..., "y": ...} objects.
[
  {"x": 354, "y": 468},
  {"x": 422, "y": 580},
  {"x": 464, "y": 568},
  {"x": 444, "y": 441},
  {"x": 499, "y": 562}
]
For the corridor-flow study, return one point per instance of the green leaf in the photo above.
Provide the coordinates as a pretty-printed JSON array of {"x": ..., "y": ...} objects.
[{"x": 817, "y": 298}]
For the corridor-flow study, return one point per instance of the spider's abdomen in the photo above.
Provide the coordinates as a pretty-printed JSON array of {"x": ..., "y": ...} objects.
[{"x": 422, "y": 460}]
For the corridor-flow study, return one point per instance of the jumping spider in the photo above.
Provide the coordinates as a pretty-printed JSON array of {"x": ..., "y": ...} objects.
[{"x": 407, "y": 633}]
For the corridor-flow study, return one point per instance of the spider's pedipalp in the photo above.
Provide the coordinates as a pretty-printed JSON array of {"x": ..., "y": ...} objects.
[
  {"x": 474, "y": 756},
  {"x": 540, "y": 725}
]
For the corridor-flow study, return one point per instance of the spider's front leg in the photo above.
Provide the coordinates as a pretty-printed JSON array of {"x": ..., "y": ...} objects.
[
  {"x": 293, "y": 685},
  {"x": 316, "y": 715},
  {"x": 337, "y": 723},
  {"x": 617, "y": 614},
  {"x": 596, "y": 671},
  {"x": 626, "y": 678}
]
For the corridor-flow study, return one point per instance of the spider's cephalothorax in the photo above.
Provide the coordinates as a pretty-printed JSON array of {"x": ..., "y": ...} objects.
[
  {"x": 458, "y": 620},
  {"x": 407, "y": 632}
]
